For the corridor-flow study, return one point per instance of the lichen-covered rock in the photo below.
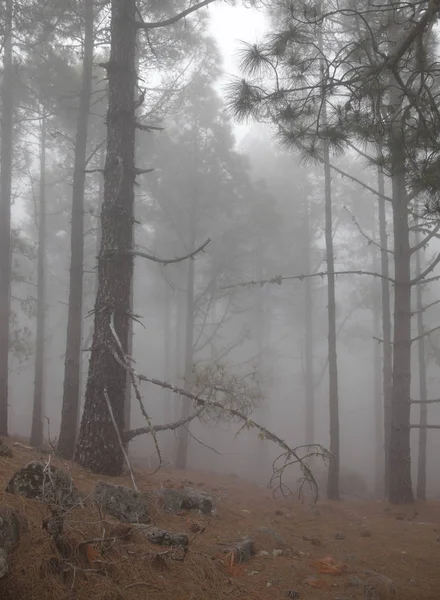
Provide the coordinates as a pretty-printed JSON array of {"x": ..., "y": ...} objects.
[
  {"x": 123, "y": 503},
  {"x": 166, "y": 538},
  {"x": 46, "y": 483},
  {"x": 11, "y": 524},
  {"x": 174, "y": 501},
  {"x": 5, "y": 451}
]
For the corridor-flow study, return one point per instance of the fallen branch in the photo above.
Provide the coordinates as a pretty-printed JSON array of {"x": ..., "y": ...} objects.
[
  {"x": 127, "y": 460},
  {"x": 290, "y": 455},
  {"x": 130, "y": 435}
]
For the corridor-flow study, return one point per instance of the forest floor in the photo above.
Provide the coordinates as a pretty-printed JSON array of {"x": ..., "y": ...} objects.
[{"x": 327, "y": 550}]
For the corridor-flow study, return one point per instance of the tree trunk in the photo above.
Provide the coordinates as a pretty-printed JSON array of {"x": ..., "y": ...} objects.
[
  {"x": 387, "y": 380},
  {"x": 183, "y": 433},
  {"x": 7, "y": 114},
  {"x": 98, "y": 447},
  {"x": 400, "y": 490},
  {"x": 72, "y": 365},
  {"x": 167, "y": 313},
  {"x": 37, "y": 414},
  {"x": 377, "y": 367},
  {"x": 421, "y": 470},
  {"x": 400, "y": 487},
  {"x": 308, "y": 331}
]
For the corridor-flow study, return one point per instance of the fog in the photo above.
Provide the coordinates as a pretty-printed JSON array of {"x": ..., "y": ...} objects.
[{"x": 234, "y": 183}]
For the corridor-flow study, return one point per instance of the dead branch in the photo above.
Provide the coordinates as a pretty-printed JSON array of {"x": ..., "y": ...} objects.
[
  {"x": 278, "y": 279},
  {"x": 426, "y": 240},
  {"x": 424, "y": 308},
  {"x": 292, "y": 456},
  {"x": 359, "y": 182},
  {"x": 424, "y": 426},
  {"x": 190, "y": 433},
  {"x": 127, "y": 460},
  {"x": 370, "y": 240},
  {"x": 424, "y": 401},
  {"x": 428, "y": 270},
  {"x": 155, "y": 25},
  {"x": 419, "y": 337},
  {"x": 148, "y": 128},
  {"x": 171, "y": 261},
  {"x": 130, "y": 435}
]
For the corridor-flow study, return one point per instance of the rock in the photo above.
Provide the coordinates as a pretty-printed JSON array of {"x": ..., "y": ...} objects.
[
  {"x": 293, "y": 594},
  {"x": 277, "y": 552},
  {"x": 46, "y": 483},
  {"x": 242, "y": 551},
  {"x": 379, "y": 587},
  {"x": 166, "y": 538},
  {"x": 5, "y": 451},
  {"x": 11, "y": 524},
  {"x": 263, "y": 553},
  {"x": 339, "y": 536},
  {"x": 271, "y": 533},
  {"x": 174, "y": 501},
  {"x": 123, "y": 503}
]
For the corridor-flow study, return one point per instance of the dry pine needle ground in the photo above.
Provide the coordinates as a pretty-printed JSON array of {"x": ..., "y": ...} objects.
[{"x": 324, "y": 550}]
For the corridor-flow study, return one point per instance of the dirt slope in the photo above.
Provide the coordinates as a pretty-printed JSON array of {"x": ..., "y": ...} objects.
[{"x": 109, "y": 562}]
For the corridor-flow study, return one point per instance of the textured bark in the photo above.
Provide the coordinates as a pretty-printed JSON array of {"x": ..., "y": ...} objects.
[
  {"x": 37, "y": 414},
  {"x": 72, "y": 365},
  {"x": 308, "y": 332},
  {"x": 98, "y": 448},
  {"x": 7, "y": 113},
  {"x": 400, "y": 486},
  {"x": 387, "y": 379},
  {"x": 400, "y": 490},
  {"x": 421, "y": 467}
]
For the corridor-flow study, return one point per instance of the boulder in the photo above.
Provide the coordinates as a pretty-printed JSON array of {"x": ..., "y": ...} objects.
[
  {"x": 123, "y": 503},
  {"x": 5, "y": 451},
  {"x": 166, "y": 538},
  {"x": 241, "y": 551},
  {"x": 46, "y": 483},
  {"x": 11, "y": 524},
  {"x": 175, "y": 501}
]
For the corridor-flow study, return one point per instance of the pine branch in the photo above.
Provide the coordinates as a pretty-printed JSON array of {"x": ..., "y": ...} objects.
[
  {"x": 278, "y": 280},
  {"x": 156, "y": 25},
  {"x": 428, "y": 270},
  {"x": 426, "y": 240},
  {"x": 170, "y": 261}
]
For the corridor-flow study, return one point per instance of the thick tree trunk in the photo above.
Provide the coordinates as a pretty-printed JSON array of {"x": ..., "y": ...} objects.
[
  {"x": 400, "y": 488},
  {"x": 309, "y": 377},
  {"x": 98, "y": 448},
  {"x": 421, "y": 467},
  {"x": 7, "y": 113},
  {"x": 183, "y": 433},
  {"x": 72, "y": 365},
  {"x": 37, "y": 414},
  {"x": 387, "y": 379}
]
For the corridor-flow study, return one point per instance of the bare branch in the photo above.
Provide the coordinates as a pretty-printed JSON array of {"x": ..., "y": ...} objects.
[
  {"x": 359, "y": 182},
  {"x": 419, "y": 337},
  {"x": 146, "y": 26},
  {"x": 427, "y": 238},
  {"x": 424, "y": 401},
  {"x": 170, "y": 261},
  {"x": 130, "y": 435},
  {"x": 370, "y": 241},
  {"x": 428, "y": 270},
  {"x": 424, "y": 426},
  {"x": 424, "y": 308},
  {"x": 94, "y": 171},
  {"x": 278, "y": 280}
]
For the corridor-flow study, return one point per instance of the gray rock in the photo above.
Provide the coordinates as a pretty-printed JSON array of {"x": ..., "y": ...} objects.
[
  {"x": 273, "y": 534},
  {"x": 175, "y": 501},
  {"x": 378, "y": 586},
  {"x": 242, "y": 550},
  {"x": 5, "y": 451},
  {"x": 11, "y": 524},
  {"x": 166, "y": 538},
  {"x": 339, "y": 536},
  {"x": 123, "y": 503},
  {"x": 46, "y": 483}
]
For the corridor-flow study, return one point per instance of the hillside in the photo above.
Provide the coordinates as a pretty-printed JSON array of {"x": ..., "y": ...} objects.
[{"x": 328, "y": 551}]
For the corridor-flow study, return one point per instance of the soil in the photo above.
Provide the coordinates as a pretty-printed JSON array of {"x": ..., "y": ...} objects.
[{"x": 323, "y": 551}]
